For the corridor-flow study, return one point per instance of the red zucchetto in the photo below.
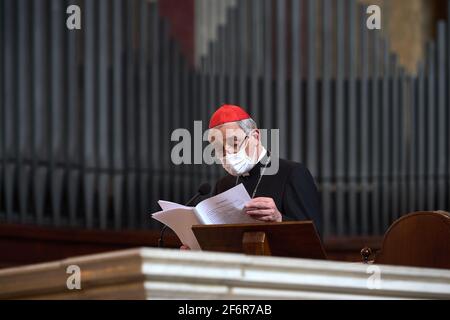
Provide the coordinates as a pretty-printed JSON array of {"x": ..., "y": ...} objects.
[{"x": 227, "y": 113}]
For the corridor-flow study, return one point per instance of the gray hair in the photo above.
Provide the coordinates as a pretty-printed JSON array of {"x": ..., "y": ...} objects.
[{"x": 247, "y": 125}]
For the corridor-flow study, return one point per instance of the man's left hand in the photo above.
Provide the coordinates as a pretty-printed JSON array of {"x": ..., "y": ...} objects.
[{"x": 263, "y": 209}]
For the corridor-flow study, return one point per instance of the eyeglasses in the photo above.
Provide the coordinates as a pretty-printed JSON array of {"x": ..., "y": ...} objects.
[{"x": 231, "y": 146}]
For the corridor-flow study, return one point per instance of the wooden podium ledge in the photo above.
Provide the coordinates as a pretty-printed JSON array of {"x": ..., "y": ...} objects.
[{"x": 172, "y": 274}]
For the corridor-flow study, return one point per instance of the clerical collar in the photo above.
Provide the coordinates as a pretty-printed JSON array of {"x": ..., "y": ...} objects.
[
  {"x": 259, "y": 163},
  {"x": 257, "y": 168}
]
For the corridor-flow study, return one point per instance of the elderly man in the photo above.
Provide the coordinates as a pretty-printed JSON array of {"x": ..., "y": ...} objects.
[{"x": 290, "y": 194}]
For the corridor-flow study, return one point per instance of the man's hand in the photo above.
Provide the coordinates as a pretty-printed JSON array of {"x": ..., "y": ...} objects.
[
  {"x": 263, "y": 209},
  {"x": 185, "y": 247}
]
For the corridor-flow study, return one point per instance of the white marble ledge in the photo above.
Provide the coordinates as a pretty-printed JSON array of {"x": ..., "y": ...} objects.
[
  {"x": 270, "y": 277},
  {"x": 166, "y": 273}
]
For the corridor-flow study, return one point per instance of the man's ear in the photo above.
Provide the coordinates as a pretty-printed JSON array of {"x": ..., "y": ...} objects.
[{"x": 256, "y": 134}]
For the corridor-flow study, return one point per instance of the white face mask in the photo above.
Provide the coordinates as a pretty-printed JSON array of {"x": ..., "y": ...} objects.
[{"x": 238, "y": 163}]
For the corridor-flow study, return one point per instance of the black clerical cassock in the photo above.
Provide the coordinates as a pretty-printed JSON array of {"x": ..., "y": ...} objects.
[{"x": 292, "y": 189}]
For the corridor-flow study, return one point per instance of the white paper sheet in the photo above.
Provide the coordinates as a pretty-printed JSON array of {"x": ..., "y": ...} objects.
[
  {"x": 226, "y": 208},
  {"x": 168, "y": 205},
  {"x": 180, "y": 221}
]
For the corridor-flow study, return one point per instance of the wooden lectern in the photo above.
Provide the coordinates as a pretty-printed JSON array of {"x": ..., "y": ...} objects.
[{"x": 297, "y": 239}]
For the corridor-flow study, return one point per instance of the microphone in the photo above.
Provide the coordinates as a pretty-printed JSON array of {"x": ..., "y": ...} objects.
[{"x": 203, "y": 190}]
